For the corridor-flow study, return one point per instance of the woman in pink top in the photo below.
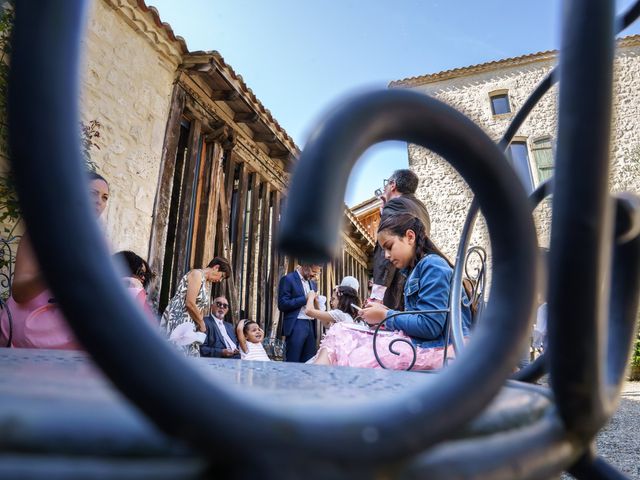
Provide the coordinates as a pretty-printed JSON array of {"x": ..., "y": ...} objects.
[
  {"x": 137, "y": 279},
  {"x": 36, "y": 320}
]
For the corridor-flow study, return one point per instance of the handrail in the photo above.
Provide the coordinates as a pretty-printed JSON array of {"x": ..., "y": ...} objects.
[
  {"x": 51, "y": 189},
  {"x": 54, "y": 200}
]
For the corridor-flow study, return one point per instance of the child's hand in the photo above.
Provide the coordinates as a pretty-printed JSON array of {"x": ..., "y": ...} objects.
[
  {"x": 240, "y": 326},
  {"x": 312, "y": 295},
  {"x": 374, "y": 313}
]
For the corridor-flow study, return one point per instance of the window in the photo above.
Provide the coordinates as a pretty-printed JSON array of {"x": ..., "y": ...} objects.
[
  {"x": 500, "y": 103},
  {"x": 541, "y": 149},
  {"x": 519, "y": 156}
]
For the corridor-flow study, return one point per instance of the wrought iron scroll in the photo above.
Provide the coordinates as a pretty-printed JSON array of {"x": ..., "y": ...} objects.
[
  {"x": 51, "y": 169},
  {"x": 7, "y": 265},
  {"x": 414, "y": 353},
  {"x": 51, "y": 188}
]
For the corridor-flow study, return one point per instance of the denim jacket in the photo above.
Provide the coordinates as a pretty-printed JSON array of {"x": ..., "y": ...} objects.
[{"x": 427, "y": 288}]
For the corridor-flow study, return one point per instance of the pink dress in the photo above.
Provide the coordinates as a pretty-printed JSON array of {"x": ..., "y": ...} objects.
[
  {"x": 37, "y": 324},
  {"x": 351, "y": 346}
]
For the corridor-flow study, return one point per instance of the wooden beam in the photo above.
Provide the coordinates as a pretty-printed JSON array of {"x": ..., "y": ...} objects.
[
  {"x": 274, "y": 272},
  {"x": 224, "y": 95},
  {"x": 246, "y": 117},
  {"x": 201, "y": 207},
  {"x": 226, "y": 251},
  {"x": 216, "y": 177},
  {"x": 254, "y": 240},
  {"x": 265, "y": 137},
  {"x": 263, "y": 293},
  {"x": 186, "y": 202},
  {"x": 238, "y": 224},
  {"x": 162, "y": 204}
]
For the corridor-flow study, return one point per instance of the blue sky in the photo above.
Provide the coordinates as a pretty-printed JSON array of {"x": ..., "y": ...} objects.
[{"x": 302, "y": 56}]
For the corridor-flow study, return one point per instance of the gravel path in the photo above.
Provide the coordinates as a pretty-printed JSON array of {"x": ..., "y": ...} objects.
[{"x": 619, "y": 441}]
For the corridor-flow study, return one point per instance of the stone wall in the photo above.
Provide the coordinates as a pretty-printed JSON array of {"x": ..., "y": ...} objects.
[
  {"x": 130, "y": 67},
  {"x": 445, "y": 193}
]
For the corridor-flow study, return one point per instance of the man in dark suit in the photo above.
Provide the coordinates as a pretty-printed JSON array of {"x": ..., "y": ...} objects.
[
  {"x": 221, "y": 337},
  {"x": 398, "y": 196},
  {"x": 299, "y": 330}
]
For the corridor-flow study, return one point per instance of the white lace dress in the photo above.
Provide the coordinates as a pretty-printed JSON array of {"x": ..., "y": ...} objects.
[{"x": 176, "y": 312}]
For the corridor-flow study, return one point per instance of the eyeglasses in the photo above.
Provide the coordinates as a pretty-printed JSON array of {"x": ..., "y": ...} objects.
[{"x": 222, "y": 305}]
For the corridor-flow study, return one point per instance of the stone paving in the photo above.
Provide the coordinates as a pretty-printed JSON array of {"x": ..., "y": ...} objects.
[{"x": 619, "y": 441}]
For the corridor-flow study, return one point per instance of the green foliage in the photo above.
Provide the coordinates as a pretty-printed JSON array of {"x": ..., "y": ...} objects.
[
  {"x": 9, "y": 207},
  {"x": 635, "y": 357}
]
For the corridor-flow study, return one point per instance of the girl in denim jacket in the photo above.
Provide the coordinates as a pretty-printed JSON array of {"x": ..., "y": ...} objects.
[{"x": 427, "y": 287}]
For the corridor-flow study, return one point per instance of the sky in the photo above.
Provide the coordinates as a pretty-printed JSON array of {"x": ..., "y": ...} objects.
[{"x": 300, "y": 57}]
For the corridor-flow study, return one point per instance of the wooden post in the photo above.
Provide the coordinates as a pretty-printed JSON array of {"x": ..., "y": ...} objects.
[
  {"x": 253, "y": 241},
  {"x": 162, "y": 204},
  {"x": 238, "y": 222},
  {"x": 208, "y": 249},
  {"x": 232, "y": 281},
  {"x": 186, "y": 200},
  {"x": 274, "y": 273},
  {"x": 200, "y": 209},
  {"x": 263, "y": 293}
]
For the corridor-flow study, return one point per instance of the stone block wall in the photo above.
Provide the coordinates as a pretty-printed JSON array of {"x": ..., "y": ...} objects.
[
  {"x": 129, "y": 69},
  {"x": 448, "y": 197}
]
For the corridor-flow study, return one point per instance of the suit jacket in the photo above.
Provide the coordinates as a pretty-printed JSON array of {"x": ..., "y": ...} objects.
[
  {"x": 214, "y": 344},
  {"x": 291, "y": 299}
]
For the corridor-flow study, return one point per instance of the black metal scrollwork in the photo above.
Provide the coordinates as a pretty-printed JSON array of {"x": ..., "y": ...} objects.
[{"x": 585, "y": 391}]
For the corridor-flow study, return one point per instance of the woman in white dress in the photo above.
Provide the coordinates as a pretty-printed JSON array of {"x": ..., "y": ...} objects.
[{"x": 191, "y": 301}]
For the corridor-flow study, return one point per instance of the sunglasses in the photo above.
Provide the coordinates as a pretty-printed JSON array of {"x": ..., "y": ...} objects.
[{"x": 222, "y": 305}]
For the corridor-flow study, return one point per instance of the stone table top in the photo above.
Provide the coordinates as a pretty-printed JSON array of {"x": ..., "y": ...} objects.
[{"x": 59, "y": 402}]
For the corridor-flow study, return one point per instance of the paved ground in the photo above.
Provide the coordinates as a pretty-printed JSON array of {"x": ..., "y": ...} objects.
[{"x": 619, "y": 442}]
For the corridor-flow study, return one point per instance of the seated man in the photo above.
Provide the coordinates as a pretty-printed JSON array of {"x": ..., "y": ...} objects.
[{"x": 221, "y": 339}]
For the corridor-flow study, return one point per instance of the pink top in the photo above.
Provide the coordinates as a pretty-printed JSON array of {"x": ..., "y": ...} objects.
[{"x": 37, "y": 324}]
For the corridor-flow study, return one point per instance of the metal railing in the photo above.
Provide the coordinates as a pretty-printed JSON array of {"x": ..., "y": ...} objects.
[{"x": 585, "y": 381}]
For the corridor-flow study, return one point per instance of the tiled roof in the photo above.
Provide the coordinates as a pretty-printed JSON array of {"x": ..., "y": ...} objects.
[
  {"x": 164, "y": 25},
  {"x": 250, "y": 96},
  {"x": 256, "y": 103},
  {"x": 630, "y": 40}
]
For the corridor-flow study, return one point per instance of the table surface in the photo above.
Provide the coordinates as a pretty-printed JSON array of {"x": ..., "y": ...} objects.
[{"x": 59, "y": 402}]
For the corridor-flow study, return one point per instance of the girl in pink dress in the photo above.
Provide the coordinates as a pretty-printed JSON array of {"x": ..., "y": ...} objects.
[
  {"x": 427, "y": 288},
  {"x": 36, "y": 319}
]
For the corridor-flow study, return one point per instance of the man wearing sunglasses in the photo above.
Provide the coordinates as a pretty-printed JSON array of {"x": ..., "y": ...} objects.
[
  {"x": 221, "y": 338},
  {"x": 398, "y": 196}
]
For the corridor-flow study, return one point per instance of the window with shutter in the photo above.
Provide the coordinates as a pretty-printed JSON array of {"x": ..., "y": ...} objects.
[
  {"x": 543, "y": 156},
  {"x": 519, "y": 156}
]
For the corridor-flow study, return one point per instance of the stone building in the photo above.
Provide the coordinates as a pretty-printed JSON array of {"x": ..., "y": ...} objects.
[
  {"x": 197, "y": 165},
  {"x": 490, "y": 94}
]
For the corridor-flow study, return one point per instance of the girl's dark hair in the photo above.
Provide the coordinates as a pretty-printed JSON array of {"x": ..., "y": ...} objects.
[
  {"x": 347, "y": 296},
  {"x": 137, "y": 266},
  {"x": 246, "y": 325},
  {"x": 96, "y": 176},
  {"x": 399, "y": 224}
]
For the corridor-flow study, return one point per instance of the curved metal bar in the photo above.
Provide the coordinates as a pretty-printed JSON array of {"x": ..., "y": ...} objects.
[
  {"x": 532, "y": 372},
  {"x": 54, "y": 200},
  {"x": 540, "y": 450},
  {"x": 455, "y": 302},
  {"x": 413, "y": 348},
  {"x": 581, "y": 224},
  {"x": 591, "y": 466},
  {"x": 623, "y": 301},
  {"x": 622, "y": 22},
  {"x": 409, "y": 116}
]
